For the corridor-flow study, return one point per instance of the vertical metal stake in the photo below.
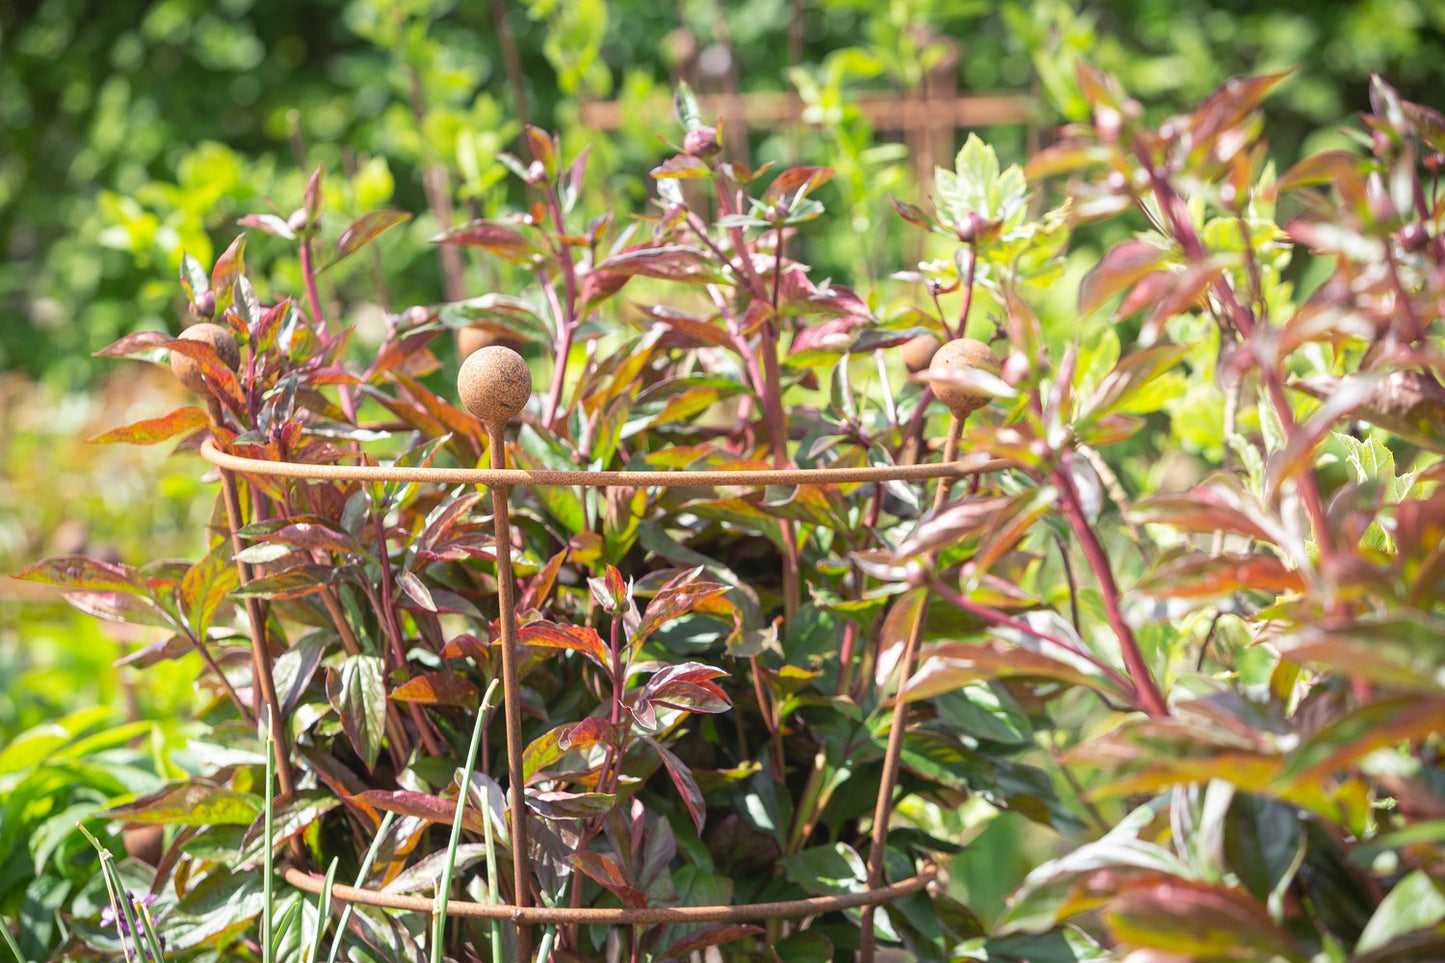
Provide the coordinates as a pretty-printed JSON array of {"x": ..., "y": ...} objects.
[
  {"x": 264, "y": 691},
  {"x": 511, "y": 689},
  {"x": 883, "y": 811}
]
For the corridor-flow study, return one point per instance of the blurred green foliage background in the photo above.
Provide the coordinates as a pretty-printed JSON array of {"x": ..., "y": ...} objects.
[{"x": 131, "y": 132}]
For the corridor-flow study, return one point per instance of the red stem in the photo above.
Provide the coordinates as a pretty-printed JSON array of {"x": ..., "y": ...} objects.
[
  {"x": 1151, "y": 700},
  {"x": 308, "y": 274},
  {"x": 990, "y": 614}
]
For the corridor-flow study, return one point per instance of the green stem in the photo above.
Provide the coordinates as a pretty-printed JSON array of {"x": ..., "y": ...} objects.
[
  {"x": 10, "y": 943},
  {"x": 267, "y": 950},
  {"x": 361, "y": 875},
  {"x": 445, "y": 887}
]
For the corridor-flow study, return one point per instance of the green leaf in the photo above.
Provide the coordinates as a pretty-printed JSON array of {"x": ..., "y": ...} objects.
[
  {"x": 190, "y": 804},
  {"x": 220, "y": 907},
  {"x": 985, "y": 712},
  {"x": 193, "y": 277},
  {"x": 684, "y": 104},
  {"x": 827, "y": 870},
  {"x": 205, "y": 586},
  {"x": 358, "y": 694}
]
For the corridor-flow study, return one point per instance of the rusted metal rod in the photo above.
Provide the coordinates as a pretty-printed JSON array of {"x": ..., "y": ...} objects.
[
  {"x": 603, "y": 479},
  {"x": 511, "y": 687},
  {"x": 883, "y": 809},
  {"x": 884, "y": 110},
  {"x": 621, "y": 916},
  {"x": 264, "y": 690}
]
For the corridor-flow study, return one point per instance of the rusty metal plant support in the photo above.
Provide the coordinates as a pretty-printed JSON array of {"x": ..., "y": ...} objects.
[{"x": 495, "y": 385}]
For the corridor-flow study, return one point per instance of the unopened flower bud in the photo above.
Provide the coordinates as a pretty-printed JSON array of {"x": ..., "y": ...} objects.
[
  {"x": 966, "y": 228},
  {"x": 1413, "y": 237},
  {"x": 701, "y": 142},
  {"x": 1015, "y": 368}
]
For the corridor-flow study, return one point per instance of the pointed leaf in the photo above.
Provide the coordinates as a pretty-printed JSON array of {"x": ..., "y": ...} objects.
[
  {"x": 574, "y": 638},
  {"x": 155, "y": 430},
  {"x": 358, "y": 694},
  {"x": 438, "y": 689},
  {"x": 189, "y": 804},
  {"x": 366, "y": 229},
  {"x": 607, "y": 873}
]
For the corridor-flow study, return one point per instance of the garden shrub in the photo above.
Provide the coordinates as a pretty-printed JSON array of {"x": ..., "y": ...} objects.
[{"x": 1186, "y": 621}]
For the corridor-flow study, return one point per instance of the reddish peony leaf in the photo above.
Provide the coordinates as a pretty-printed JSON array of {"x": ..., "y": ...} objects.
[
  {"x": 291, "y": 583},
  {"x": 196, "y": 803},
  {"x": 220, "y": 377},
  {"x": 1211, "y": 576},
  {"x": 547, "y": 749},
  {"x": 433, "y": 809},
  {"x": 155, "y": 430},
  {"x": 134, "y": 344},
  {"x": 681, "y": 777},
  {"x": 438, "y": 689},
  {"x": 80, "y": 572},
  {"x": 1196, "y": 919},
  {"x": 678, "y": 597},
  {"x": 715, "y": 935},
  {"x": 574, "y": 638},
  {"x": 1124, "y": 265},
  {"x": 229, "y": 266},
  {"x": 798, "y": 182},
  {"x": 570, "y": 805},
  {"x": 681, "y": 166},
  {"x": 357, "y": 692},
  {"x": 501, "y": 239},
  {"x": 366, "y": 229},
  {"x": 607, "y": 873}
]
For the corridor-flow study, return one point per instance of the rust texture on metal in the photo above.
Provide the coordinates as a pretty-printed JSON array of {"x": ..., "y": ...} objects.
[
  {"x": 701, "y": 478},
  {"x": 621, "y": 916}
]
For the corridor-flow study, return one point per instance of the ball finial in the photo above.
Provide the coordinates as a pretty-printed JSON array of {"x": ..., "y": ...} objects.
[
  {"x": 494, "y": 383},
  {"x": 470, "y": 340},
  {"x": 185, "y": 368},
  {"x": 958, "y": 356},
  {"x": 918, "y": 352}
]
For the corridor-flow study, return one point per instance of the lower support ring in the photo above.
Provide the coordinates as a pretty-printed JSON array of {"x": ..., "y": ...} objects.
[{"x": 811, "y": 906}]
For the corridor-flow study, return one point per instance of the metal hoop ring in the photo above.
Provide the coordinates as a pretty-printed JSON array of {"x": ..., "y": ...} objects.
[
  {"x": 494, "y": 477},
  {"x": 646, "y": 916}
]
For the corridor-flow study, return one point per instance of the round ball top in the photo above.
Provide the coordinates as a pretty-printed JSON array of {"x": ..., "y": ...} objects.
[
  {"x": 918, "y": 352},
  {"x": 187, "y": 371},
  {"x": 494, "y": 383},
  {"x": 962, "y": 355},
  {"x": 473, "y": 339}
]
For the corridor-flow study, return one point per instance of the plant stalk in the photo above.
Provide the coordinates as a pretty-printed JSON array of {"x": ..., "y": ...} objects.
[{"x": 1151, "y": 700}]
